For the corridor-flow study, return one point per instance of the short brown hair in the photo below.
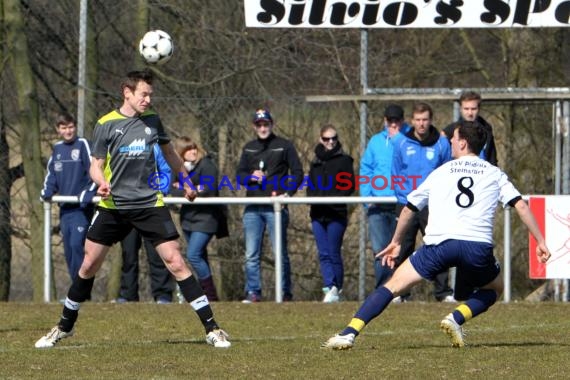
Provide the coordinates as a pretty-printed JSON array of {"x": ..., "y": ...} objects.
[
  {"x": 64, "y": 118},
  {"x": 185, "y": 143},
  {"x": 422, "y": 107},
  {"x": 134, "y": 77},
  {"x": 470, "y": 95}
]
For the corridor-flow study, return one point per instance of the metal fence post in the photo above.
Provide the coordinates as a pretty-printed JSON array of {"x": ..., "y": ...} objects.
[
  {"x": 47, "y": 251},
  {"x": 278, "y": 251}
]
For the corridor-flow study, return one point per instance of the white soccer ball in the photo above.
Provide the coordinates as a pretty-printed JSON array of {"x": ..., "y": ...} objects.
[{"x": 156, "y": 47}]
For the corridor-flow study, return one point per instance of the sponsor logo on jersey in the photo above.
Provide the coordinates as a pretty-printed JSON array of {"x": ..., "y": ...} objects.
[{"x": 135, "y": 148}]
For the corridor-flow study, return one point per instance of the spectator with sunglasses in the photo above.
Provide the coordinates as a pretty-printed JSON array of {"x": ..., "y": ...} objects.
[{"x": 329, "y": 221}]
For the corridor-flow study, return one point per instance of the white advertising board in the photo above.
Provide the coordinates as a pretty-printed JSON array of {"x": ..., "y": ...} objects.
[{"x": 406, "y": 14}]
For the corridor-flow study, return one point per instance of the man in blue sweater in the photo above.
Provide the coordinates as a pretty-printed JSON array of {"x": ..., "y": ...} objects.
[
  {"x": 68, "y": 174},
  {"x": 418, "y": 153}
]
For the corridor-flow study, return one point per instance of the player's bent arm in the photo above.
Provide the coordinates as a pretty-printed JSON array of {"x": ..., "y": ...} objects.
[
  {"x": 96, "y": 170},
  {"x": 403, "y": 222},
  {"x": 174, "y": 161},
  {"x": 392, "y": 251},
  {"x": 530, "y": 222},
  {"x": 528, "y": 219},
  {"x": 177, "y": 165},
  {"x": 98, "y": 176}
]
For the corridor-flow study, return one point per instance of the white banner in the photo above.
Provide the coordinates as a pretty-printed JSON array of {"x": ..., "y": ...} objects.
[
  {"x": 406, "y": 14},
  {"x": 552, "y": 213}
]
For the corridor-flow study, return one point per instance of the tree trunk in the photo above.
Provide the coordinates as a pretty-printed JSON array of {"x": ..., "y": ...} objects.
[
  {"x": 28, "y": 120},
  {"x": 5, "y": 228},
  {"x": 91, "y": 78}
]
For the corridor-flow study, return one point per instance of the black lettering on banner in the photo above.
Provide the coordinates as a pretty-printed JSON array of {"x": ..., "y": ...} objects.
[
  {"x": 272, "y": 8},
  {"x": 464, "y": 192},
  {"x": 522, "y": 10},
  {"x": 370, "y": 16},
  {"x": 562, "y": 13},
  {"x": 317, "y": 12},
  {"x": 496, "y": 8},
  {"x": 448, "y": 12},
  {"x": 339, "y": 10},
  {"x": 296, "y": 14},
  {"x": 409, "y": 13}
]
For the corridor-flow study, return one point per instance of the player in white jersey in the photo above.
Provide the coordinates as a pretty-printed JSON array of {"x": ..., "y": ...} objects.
[{"x": 462, "y": 196}]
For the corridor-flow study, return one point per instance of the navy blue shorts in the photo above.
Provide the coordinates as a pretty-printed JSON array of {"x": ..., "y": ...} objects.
[
  {"x": 111, "y": 226},
  {"x": 476, "y": 265}
]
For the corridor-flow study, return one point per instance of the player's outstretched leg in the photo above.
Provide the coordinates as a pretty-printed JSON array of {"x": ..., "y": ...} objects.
[
  {"x": 79, "y": 291},
  {"x": 370, "y": 309},
  {"x": 478, "y": 303},
  {"x": 194, "y": 294}
]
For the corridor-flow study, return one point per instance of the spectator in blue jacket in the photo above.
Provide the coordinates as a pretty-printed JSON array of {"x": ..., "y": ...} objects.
[
  {"x": 419, "y": 152},
  {"x": 68, "y": 174},
  {"x": 376, "y": 165}
]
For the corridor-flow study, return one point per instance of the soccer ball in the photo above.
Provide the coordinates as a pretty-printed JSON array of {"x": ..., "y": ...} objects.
[{"x": 156, "y": 47}]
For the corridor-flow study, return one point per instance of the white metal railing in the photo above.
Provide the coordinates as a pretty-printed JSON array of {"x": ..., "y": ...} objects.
[{"x": 277, "y": 203}]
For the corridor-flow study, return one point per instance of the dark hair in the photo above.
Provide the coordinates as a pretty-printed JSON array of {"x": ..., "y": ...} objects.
[
  {"x": 134, "y": 77},
  {"x": 422, "y": 107},
  {"x": 470, "y": 95},
  {"x": 64, "y": 118},
  {"x": 472, "y": 132}
]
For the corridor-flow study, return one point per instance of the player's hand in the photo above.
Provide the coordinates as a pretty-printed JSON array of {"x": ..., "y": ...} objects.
[
  {"x": 104, "y": 190},
  {"x": 190, "y": 194},
  {"x": 542, "y": 252},
  {"x": 390, "y": 254}
]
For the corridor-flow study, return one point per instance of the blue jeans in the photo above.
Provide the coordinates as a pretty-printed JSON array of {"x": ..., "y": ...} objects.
[
  {"x": 256, "y": 218},
  {"x": 73, "y": 225},
  {"x": 381, "y": 227},
  {"x": 328, "y": 236},
  {"x": 197, "y": 253}
]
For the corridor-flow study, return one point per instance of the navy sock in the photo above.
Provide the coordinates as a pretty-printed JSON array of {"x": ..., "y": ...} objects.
[
  {"x": 477, "y": 303},
  {"x": 372, "y": 307}
]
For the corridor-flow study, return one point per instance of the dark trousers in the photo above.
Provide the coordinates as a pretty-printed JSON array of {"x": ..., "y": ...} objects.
[
  {"x": 418, "y": 224},
  {"x": 161, "y": 282}
]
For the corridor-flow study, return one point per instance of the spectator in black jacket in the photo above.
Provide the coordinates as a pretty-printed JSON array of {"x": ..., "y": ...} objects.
[
  {"x": 329, "y": 221},
  {"x": 469, "y": 106},
  {"x": 269, "y": 166},
  {"x": 201, "y": 222}
]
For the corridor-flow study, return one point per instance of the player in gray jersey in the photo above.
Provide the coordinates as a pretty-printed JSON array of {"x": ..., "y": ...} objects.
[
  {"x": 459, "y": 234},
  {"x": 125, "y": 171}
]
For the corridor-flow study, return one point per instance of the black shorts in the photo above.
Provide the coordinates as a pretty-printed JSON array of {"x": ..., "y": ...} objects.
[{"x": 111, "y": 226}]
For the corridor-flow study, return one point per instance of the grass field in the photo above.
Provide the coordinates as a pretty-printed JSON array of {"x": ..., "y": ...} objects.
[{"x": 144, "y": 341}]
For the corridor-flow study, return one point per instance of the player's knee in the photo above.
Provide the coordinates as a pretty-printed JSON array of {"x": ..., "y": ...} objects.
[{"x": 175, "y": 263}]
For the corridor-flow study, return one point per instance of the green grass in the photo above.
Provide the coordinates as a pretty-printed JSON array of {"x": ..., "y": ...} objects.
[{"x": 144, "y": 341}]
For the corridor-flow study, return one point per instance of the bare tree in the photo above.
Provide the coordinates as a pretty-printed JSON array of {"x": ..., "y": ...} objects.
[{"x": 28, "y": 120}]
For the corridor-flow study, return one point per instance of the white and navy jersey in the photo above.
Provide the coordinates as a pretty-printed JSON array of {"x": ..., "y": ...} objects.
[
  {"x": 68, "y": 171},
  {"x": 462, "y": 197}
]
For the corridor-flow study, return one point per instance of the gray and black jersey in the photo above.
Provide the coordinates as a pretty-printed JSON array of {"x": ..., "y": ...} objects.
[{"x": 126, "y": 144}]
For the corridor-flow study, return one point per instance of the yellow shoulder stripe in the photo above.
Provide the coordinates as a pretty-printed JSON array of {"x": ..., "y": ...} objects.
[{"x": 113, "y": 115}]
